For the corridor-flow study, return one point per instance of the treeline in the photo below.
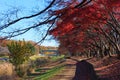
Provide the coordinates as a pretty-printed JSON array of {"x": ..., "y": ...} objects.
[{"x": 4, "y": 43}]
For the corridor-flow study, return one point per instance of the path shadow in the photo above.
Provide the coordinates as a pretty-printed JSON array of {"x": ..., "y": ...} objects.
[
  {"x": 85, "y": 71},
  {"x": 103, "y": 79}
]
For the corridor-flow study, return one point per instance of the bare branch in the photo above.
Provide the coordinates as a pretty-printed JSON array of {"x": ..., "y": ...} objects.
[
  {"x": 22, "y": 31},
  {"x": 83, "y": 3},
  {"x": 46, "y": 33},
  {"x": 27, "y": 17}
]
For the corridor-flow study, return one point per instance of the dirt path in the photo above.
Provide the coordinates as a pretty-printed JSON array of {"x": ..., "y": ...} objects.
[{"x": 67, "y": 73}]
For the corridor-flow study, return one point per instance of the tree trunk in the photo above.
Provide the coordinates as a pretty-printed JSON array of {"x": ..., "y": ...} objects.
[{"x": 101, "y": 53}]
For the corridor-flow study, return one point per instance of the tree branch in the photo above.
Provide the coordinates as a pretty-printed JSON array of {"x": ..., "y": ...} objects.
[
  {"x": 83, "y": 3},
  {"x": 27, "y": 17}
]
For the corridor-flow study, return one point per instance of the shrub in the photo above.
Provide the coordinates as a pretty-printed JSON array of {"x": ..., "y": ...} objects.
[{"x": 19, "y": 53}]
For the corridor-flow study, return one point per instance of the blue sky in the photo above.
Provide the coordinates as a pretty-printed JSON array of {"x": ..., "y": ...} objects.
[{"x": 27, "y": 7}]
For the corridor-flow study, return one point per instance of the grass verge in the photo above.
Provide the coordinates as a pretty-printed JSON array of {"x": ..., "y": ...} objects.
[{"x": 49, "y": 73}]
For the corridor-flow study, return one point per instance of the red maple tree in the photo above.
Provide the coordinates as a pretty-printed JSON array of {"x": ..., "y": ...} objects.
[{"x": 74, "y": 22}]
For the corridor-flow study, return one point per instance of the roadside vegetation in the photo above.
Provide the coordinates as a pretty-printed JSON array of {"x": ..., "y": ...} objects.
[
  {"x": 23, "y": 61},
  {"x": 49, "y": 74}
]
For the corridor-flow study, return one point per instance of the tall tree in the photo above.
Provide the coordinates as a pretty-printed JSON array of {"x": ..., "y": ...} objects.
[{"x": 74, "y": 23}]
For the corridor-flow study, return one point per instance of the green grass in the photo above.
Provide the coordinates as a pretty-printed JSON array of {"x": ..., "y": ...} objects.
[
  {"x": 49, "y": 73},
  {"x": 55, "y": 58},
  {"x": 34, "y": 57},
  {"x": 38, "y": 70},
  {"x": 4, "y": 56}
]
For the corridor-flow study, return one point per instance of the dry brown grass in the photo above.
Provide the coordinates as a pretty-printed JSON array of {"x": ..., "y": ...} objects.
[{"x": 6, "y": 69}]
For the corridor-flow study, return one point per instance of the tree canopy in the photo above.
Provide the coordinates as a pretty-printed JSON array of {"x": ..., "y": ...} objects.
[{"x": 77, "y": 28}]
